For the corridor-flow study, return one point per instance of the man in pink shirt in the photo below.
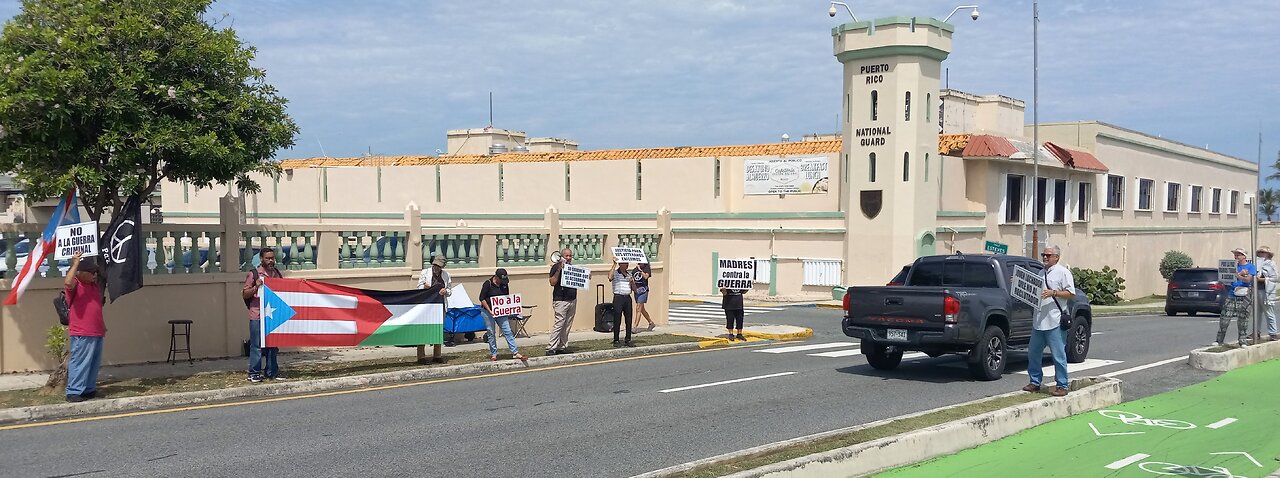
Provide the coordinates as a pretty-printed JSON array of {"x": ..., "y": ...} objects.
[
  {"x": 257, "y": 353},
  {"x": 85, "y": 328}
]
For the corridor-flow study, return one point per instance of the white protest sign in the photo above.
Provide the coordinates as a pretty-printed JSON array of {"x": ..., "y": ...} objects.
[
  {"x": 73, "y": 238},
  {"x": 736, "y": 274},
  {"x": 458, "y": 298},
  {"x": 504, "y": 305},
  {"x": 1227, "y": 271},
  {"x": 1027, "y": 286},
  {"x": 575, "y": 277},
  {"x": 630, "y": 255}
]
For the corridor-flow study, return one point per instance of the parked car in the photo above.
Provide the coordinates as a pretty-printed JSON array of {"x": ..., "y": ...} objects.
[
  {"x": 1194, "y": 290},
  {"x": 955, "y": 304}
]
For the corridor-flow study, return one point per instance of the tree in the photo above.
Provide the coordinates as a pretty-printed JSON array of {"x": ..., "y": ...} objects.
[
  {"x": 114, "y": 97},
  {"x": 1276, "y": 167},
  {"x": 1268, "y": 202}
]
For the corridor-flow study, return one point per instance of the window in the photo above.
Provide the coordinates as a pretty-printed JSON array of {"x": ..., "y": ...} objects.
[
  {"x": 848, "y": 108},
  {"x": 871, "y": 168},
  {"x": 1082, "y": 201},
  {"x": 1215, "y": 203},
  {"x": 1196, "y": 192},
  {"x": 1042, "y": 198},
  {"x": 875, "y": 105},
  {"x": 567, "y": 172},
  {"x": 1115, "y": 191},
  {"x": 907, "y": 110},
  {"x": 1234, "y": 206},
  {"x": 954, "y": 274},
  {"x": 926, "y": 167},
  {"x": 1144, "y": 194},
  {"x": 717, "y": 183},
  {"x": 906, "y": 167},
  {"x": 844, "y": 169},
  {"x": 928, "y": 104},
  {"x": 1172, "y": 192},
  {"x": 1013, "y": 198},
  {"x": 639, "y": 181},
  {"x": 501, "y": 187},
  {"x": 1059, "y": 201}
]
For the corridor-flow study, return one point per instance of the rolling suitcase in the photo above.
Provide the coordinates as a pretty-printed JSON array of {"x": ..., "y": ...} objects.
[{"x": 605, "y": 316}]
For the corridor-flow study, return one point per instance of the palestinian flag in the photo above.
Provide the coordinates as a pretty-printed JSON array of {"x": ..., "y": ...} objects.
[{"x": 303, "y": 313}]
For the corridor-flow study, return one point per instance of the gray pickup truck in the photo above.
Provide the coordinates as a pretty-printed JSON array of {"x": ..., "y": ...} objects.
[{"x": 955, "y": 304}]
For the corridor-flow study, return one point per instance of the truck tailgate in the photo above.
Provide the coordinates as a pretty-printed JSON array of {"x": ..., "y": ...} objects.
[{"x": 919, "y": 308}]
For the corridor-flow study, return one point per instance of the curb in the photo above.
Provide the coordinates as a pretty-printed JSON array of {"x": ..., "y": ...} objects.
[
  {"x": 1128, "y": 313},
  {"x": 151, "y": 402},
  {"x": 829, "y": 306},
  {"x": 919, "y": 445},
  {"x": 1203, "y": 359}
]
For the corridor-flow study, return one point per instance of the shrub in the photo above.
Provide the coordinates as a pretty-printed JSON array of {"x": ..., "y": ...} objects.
[
  {"x": 1174, "y": 260},
  {"x": 1102, "y": 287}
]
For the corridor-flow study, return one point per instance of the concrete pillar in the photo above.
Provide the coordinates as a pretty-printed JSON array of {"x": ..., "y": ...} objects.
[
  {"x": 488, "y": 252},
  {"x": 230, "y": 210},
  {"x": 551, "y": 221},
  {"x": 328, "y": 245},
  {"x": 413, "y": 254}
]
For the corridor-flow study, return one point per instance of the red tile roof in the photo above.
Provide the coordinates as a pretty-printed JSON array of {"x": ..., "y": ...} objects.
[
  {"x": 1076, "y": 159},
  {"x": 988, "y": 146}
]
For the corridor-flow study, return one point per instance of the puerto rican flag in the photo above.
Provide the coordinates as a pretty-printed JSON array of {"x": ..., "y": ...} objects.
[
  {"x": 67, "y": 212},
  {"x": 303, "y": 313}
]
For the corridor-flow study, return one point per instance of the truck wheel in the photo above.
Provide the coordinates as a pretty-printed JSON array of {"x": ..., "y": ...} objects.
[
  {"x": 880, "y": 356},
  {"x": 1078, "y": 340},
  {"x": 987, "y": 359}
]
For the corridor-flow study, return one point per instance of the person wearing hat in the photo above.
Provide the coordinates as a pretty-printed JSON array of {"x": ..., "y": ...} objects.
[
  {"x": 85, "y": 328},
  {"x": 1267, "y": 286},
  {"x": 437, "y": 282},
  {"x": 1239, "y": 303},
  {"x": 498, "y": 285}
]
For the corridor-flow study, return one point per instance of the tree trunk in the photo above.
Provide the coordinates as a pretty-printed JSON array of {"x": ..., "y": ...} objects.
[{"x": 57, "y": 379}]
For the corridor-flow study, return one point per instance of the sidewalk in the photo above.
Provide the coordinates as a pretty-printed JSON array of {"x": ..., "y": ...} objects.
[
  {"x": 1222, "y": 427},
  {"x": 346, "y": 354}
]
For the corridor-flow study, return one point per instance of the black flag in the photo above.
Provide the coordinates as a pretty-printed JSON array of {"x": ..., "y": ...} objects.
[{"x": 122, "y": 249}]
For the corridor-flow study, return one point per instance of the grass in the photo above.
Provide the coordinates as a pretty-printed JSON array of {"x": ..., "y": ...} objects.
[
  {"x": 305, "y": 371},
  {"x": 1152, "y": 300},
  {"x": 895, "y": 427}
]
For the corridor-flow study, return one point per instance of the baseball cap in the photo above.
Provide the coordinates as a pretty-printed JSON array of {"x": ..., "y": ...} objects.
[
  {"x": 88, "y": 264},
  {"x": 438, "y": 261},
  {"x": 501, "y": 274}
]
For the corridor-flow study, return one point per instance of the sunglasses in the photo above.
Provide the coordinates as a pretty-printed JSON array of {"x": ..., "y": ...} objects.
[{"x": 1047, "y": 255}]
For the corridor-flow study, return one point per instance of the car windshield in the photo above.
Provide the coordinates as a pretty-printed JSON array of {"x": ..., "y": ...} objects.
[
  {"x": 1194, "y": 276},
  {"x": 953, "y": 274}
]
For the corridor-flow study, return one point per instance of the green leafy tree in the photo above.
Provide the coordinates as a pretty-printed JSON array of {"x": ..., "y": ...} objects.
[
  {"x": 1102, "y": 287},
  {"x": 113, "y": 97},
  {"x": 1268, "y": 203},
  {"x": 1172, "y": 261}
]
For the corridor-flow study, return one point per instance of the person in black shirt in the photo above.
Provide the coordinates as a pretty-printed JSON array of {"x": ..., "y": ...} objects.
[
  {"x": 498, "y": 285},
  {"x": 641, "y": 273},
  {"x": 733, "y": 313},
  {"x": 565, "y": 302}
]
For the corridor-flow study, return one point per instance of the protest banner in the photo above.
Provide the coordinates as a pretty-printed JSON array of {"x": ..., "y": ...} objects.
[
  {"x": 630, "y": 255},
  {"x": 307, "y": 313},
  {"x": 506, "y": 305},
  {"x": 736, "y": 274},
  {"x": 81, "y": 237},
  {"x": 1027, "y": 286},
  {"x": 575, "y": 277},
  {"x": 1226, "y": 271}
]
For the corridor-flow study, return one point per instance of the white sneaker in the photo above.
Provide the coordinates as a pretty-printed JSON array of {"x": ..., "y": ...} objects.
[{"x": 1216, "y": 344}]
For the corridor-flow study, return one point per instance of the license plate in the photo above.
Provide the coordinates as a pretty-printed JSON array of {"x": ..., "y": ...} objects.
[
  {"x": 1193, "y": 294},
  {"x": 896, "y": 334}
]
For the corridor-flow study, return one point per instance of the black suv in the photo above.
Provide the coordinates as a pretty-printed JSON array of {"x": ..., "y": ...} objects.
[{"x": 1194, "y": 290}]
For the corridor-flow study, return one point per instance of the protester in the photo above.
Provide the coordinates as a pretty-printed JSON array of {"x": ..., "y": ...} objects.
[
  {"x": 1239, "y": 303},
  {"x": 623, "y": 283},
  {"x": 1267, "y": 281},
  {"x": 258, "y": 354},
  {"x": 641, "y": 275},
  {"x": 733, "y": 313},
  {"x": 1055, "y": 300},
  {"x": 565, "y": 302},
  {"x": 437, "y": 282},
  {"x": 498, "y": 285},
  {"x": 85, "y": 328}
]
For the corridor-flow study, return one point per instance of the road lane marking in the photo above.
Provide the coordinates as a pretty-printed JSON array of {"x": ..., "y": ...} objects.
[
  {"x": 1221, "y": 423},
  {"x": 361, "y": 390},
  {"x": 1144, "y": 367},
  {"x": 1098, "y": 433},
  {"x": 1245, "y": 453},
  {"x": 1136, "y": 457},
  {"x": 1048, "y": 370},
  {"x": 726, "y": 382},
  {"x": 801, "y": 348},
  {"x": 838, "y": 353}
]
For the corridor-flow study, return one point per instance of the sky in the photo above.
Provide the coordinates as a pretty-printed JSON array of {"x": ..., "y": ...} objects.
[{"x": 390, "y": 77}]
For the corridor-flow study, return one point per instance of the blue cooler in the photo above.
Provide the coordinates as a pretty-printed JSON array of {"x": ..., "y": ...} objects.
[{"x": 468, "y": 319}]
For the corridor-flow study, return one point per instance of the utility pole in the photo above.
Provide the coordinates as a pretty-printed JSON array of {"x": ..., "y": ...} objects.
[{"x": 1035, "y": 130}]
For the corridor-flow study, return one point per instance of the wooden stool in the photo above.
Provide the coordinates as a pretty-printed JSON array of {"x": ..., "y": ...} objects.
[{"x": 173, "y": 340}]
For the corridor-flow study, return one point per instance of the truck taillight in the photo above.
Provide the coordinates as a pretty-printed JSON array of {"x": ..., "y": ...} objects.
[
  {"x": 950, "y": 309},
  {"x": 846, "y": 303}
]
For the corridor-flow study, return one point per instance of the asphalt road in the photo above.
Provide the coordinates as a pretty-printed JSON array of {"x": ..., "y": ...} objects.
[{"x": 600, "y": 420}]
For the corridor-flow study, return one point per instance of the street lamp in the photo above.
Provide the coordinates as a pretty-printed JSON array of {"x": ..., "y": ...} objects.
[
  {"x": 1035, "y": 128},
  {"x": 832, "y": 11},
  {"x": 973, "y": 14}
]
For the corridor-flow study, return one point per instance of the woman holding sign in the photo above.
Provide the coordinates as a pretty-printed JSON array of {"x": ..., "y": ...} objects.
[{"x": 733, "y": 313}]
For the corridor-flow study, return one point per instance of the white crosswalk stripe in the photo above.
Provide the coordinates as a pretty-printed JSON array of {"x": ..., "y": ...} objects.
[{"x": 708, "y": 313}]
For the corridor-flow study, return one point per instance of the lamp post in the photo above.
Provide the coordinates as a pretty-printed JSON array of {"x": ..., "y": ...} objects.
[
  {"x": 1035, "y": 128},
  {"x": 973, "y": 14},
  {"x": 832, "y": 11}
]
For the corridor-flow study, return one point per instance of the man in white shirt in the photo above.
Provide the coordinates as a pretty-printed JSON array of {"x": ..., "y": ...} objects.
[
  {"x": 1059, "y": 290},
  {"x": 1267, "y": 282}
]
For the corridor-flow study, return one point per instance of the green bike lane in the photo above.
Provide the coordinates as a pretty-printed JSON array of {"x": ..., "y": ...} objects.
[{"x": 1223, "y": 428}]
